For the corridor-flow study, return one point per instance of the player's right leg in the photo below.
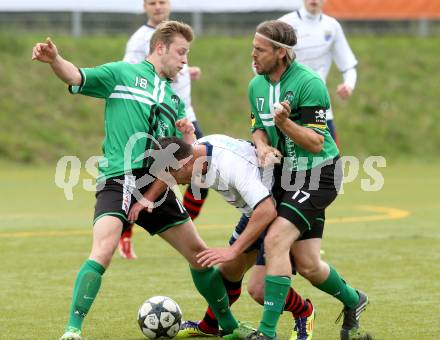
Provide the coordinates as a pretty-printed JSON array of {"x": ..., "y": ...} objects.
[
  {"x": 280, "y": 236},
  {"x": 107, "y": 227},
  {"x": 302, "y": 310},
  {"x": 106, "y": 232}
]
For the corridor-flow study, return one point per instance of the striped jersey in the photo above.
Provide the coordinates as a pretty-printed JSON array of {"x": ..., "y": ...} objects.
[
  {"x": 138, "y": 47},
  {"x": 234, "y": 173},
  {"x": 309, "y": 101},
  {"x": 140, "y": 106}
]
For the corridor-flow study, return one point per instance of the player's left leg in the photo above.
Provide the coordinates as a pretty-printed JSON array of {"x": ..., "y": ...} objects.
[
  {"x": 208, "y": 281},
  {"x": 232, "y": 274},
  {"x": 327, "y": 279}
]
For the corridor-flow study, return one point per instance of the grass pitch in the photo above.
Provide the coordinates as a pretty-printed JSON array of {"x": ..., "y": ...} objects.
[{"x": 385, "y": 243}]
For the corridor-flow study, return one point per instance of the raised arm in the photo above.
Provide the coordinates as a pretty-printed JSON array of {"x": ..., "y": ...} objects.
[
  {"x": 187, "y": 129},
  {"x": 47, "y": 52}
]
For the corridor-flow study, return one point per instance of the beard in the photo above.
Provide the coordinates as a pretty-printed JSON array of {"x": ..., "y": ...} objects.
[{"x": 271, "y": 68}]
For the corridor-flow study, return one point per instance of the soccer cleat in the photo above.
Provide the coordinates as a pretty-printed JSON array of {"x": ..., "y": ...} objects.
[
  {"x": 125, "y": 247},
  {"x": 190, "y": 329},
  {"x": 256, "y": 335},
  {"x": 242, "y": 332},
  {"x": 350, "y": 326},
  {"x": 304, "y": 326},
  {"x": 71, "y": 333}
]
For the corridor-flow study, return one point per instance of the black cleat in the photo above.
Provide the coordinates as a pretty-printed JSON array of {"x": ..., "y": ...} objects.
[
  {"x": 350, "y": 326},
  {"x": 259, "y": 336}
]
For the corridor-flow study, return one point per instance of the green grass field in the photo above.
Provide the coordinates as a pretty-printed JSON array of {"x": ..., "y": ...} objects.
[{"x": 385, "y": 242}]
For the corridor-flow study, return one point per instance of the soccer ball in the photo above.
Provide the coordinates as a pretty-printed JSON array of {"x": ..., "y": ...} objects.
[{"x": 160, "y": 317}]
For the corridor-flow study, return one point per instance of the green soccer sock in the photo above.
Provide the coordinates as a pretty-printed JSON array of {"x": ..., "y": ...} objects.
[
  {"x": 210, "y": 284},
  {"x": 85, "y": 290},
  {"x": 336, "y": 286},
  {"x": 275, "y": 292}
]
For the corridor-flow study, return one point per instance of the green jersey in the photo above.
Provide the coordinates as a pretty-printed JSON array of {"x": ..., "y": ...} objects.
[
  {"x": 308, "y": 99},
  {"x": 140, "y": 106}
]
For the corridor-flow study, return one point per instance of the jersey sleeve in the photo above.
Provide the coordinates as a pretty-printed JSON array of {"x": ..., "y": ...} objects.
[
  {"x": 256, "y": 123},
  {"x": 314, "y": 105},
  {"x": 97, "y": 82},
  {"x": 342, "y": 53}
]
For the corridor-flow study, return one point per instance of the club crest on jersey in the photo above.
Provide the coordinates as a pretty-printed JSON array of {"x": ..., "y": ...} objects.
[
  {"x": 289, "y": 97},
  {"x": 320, "y": 116},
  {"x": 260, "y": 104},
  {"x": 176, "y": 100},
  {"x": 327, "y": 35}
]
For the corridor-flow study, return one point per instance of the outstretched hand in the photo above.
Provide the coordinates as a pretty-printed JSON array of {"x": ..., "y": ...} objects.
[
  {"x": 268, "y": 155},
  {"x": 45, "y": 52},
  {"x": 137, "y": 207},
  {"x": 212, "y": 256}
]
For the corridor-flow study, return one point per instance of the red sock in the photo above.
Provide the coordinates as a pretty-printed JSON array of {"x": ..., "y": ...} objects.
[
  {"x": 127, "y": 233},
  {"x": 297, "y": 305},
  {"x": 193, "y": 205}
]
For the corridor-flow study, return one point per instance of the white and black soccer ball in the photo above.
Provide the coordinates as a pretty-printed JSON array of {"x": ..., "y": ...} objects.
[{"x": 160, "y": 317}]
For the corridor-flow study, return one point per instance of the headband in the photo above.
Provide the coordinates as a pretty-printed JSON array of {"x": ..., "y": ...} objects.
[{"x": 277, "y": 43}]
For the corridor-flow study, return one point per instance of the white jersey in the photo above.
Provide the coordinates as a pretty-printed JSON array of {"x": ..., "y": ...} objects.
[
  {"x": 320, "y": 40},
  {"x": 234, "y": 173},
  {"x": 137, "y": 49}
]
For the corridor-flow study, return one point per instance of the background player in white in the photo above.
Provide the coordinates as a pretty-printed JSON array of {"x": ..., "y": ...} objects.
[
  {"x": 321, "y": 41},
  {"x": 137, "y": 49}
]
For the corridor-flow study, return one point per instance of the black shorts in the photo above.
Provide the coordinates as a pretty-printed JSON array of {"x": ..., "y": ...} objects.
[
  {"x": 242, "y": 223},
  {"x": 311, "y": 192},
  {"x": 257, "y": 245},
  {"x": 115, "y": 199}
]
